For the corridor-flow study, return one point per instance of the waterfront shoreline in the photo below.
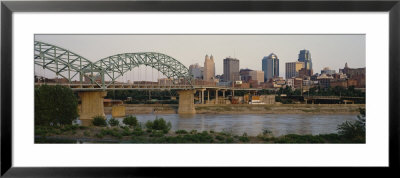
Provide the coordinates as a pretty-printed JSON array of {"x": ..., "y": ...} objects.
[{"x": 244, "y": 109}]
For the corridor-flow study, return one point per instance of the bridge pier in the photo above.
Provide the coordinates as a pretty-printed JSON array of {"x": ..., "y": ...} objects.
[
  {"x": 92, "y": 104},
  {"x": 186, "y": 102},
  {"x": 202, "y": 96},
  {"x": 216, "y": 96}
]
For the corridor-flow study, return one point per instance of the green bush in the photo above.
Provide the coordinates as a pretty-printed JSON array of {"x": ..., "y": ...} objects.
[
  {"x": 86, "y": 133},
  {"x": 113, "y": 122},
  {"x": 130, "y": 120},
  {"x": 354, "y": 131},
  {"x": 157, "y": 133},
  {"x": 229, "y": 140},
  {"x": 137, "y": 132},
  {"x": 159, "y": 124},
  {"x": 99, "y": 135},
  {"x": 244, "y": 138},
  {"x": 219, "y": 137},
  {"x": 112, "y": 132},
  {"x": 181, "y": 132},
  {"x": 193, "y": 132},
  {"x": 99, "y": 121},
  {"x": 126, "y": 132},
  {"x": 266, "y": 132}
]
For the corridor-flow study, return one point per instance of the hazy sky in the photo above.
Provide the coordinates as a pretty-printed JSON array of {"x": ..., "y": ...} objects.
[{"x": 326, "y": 50}]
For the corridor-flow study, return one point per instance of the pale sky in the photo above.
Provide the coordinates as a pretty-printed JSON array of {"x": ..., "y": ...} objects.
[{"x": 331, "y": 51}]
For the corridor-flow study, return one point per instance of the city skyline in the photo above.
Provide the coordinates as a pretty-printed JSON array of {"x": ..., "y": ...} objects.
[{"x": 331, "y": 51}]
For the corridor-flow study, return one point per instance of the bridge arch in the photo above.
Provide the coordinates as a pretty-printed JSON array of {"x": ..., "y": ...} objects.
[
  {"x": 69, "y": 64},
  {"x": 117, "y": 65}
]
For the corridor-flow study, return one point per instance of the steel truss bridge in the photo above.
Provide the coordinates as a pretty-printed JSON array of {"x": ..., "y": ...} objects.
[{"x": 69, "y": 65}]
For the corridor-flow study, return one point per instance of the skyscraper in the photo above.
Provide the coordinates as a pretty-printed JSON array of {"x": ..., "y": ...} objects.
[
  {"x": 231, "y": 69},
  {"x": 270, "y": 66},
  {"x": 209, "y": 69},
  {"x": 293, "y": 68},
  {"x": 305, "y": 56}
]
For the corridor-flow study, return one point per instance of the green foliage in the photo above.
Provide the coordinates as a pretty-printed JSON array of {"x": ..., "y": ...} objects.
[
  {"x": 267, "y": 132},
  {"x": 157, "y": 133},
  {"x": 219, "y": 137},
  {"x": 55, "y": 105},
  {"x": 294, "y": 138},
  {"x": 158, "y": 124},
  {"x": 193, "y": 131},
  {"x": 99, "y": 135},
  {"x": 112, "y": 132},
  {"x": 86, "y": 133},
  {"x": 229, "y": 140},
  {"x": 181, "y": 132},
  {"x": 126, "y": 131},
  {"x": 354, "y": 131},
  {"x": 113, "y": 122},
  {"x": 131, "y": 121},
  {"x": 99, "y": 121},
  {"x": 83, "y": 127},
  {"x": 244, "y": 138}
]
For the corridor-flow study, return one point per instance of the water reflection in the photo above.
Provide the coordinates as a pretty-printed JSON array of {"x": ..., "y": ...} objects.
[{"x": 252, "y": 124}]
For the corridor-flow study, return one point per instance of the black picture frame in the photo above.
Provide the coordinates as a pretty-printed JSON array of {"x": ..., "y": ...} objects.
[{"x": 8, "y": 7}]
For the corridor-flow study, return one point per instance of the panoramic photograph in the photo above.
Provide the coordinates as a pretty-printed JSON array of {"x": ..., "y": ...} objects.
[{"x": 200, "y": 88}]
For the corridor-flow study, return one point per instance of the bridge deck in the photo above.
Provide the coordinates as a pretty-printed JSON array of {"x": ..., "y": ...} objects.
[{"x": 95, "y": 87}]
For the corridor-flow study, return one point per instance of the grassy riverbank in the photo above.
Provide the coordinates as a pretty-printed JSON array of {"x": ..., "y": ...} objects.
[{"x": 74, "y": 134}]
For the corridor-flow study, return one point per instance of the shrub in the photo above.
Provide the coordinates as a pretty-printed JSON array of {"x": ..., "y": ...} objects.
[
  {"x": 229, "y": 140},
  {"x": 219, "y": 137},
  {"x": 193, "y": 131},
  {"x": 113, "y": 122},
  {"x": 266, "y": 132},
  {"x": 130, "y": 120},
  {"x": 244, "y": 138},
  {"x": 99, "y": 121},
  {"x": 126, "y": 132},
  {"x": 137, "y": 132},
  {"x": 355, "y": 130},
  {"x": 112, "y": 132},
  {"x": 159, "y": 124},
  {"x": 181, "y": 132},
  {"x": 157, "y": 133},
  {"x": 82, "y": 127},
  {"x": 99, "y": 135},
  {"x": 86, "y": 133}
]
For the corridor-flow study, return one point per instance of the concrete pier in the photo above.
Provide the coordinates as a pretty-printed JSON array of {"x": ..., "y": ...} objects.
[
  {"x": 186, "y": 102},
  {"x": 91, "y": 105},
  {"x": 118, "y": 111}
]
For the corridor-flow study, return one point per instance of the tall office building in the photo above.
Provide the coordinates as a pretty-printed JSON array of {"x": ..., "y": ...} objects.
[
  {"x": 231, "y": 69},
  {"x": 293, "y": 68},
  {"x": 305, "y": 56},
  {"x": 209, "y": 69},
  {"x": 270, "y": 66}
]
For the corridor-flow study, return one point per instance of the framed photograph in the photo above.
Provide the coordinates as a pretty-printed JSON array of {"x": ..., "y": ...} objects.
[{"x": 119, "y": 87}]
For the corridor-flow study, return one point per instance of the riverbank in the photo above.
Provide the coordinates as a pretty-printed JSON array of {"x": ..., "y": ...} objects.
[
  {"x": 123, "y": 135},
  {"x": 244, "y": 109}
]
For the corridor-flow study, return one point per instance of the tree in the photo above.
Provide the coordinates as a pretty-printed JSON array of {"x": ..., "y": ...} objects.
[
  {"x": 354, "y": 131},
  {"x": 131, "y": 121},
  {"x": 55, "y": 105}
]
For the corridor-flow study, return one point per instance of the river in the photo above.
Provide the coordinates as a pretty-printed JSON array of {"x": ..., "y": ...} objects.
[{"x": 253, "y": 124}]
